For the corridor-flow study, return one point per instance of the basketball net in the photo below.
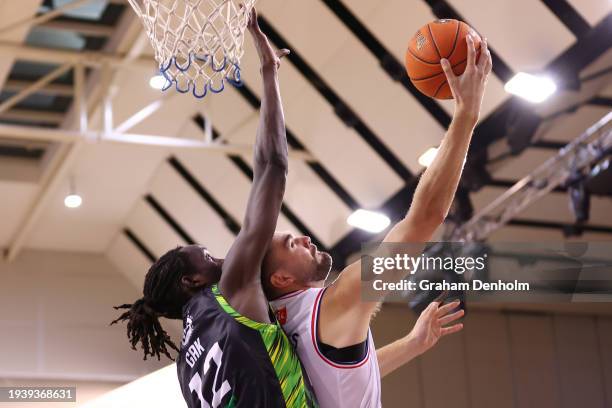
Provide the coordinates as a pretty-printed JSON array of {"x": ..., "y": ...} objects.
[{"x": 198, "y": 44}]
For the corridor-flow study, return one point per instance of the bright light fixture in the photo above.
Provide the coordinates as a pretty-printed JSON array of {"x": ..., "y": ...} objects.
[
  {"x": 368, "y": 220},
  {"x": 533, "y": 88},
  {"x": 428, "y": 157},
  {"x": 73, "y": 201},
  {"x": 158, "y": 82}
]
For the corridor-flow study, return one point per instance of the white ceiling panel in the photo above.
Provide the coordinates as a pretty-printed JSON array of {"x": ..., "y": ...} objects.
[
  {"x": 110, "y": 178},
  {"x": 313, "y": 121},
  {"x": 527, "y": 38},
  {"x": 315, "y": 33},
  {"x": 152, "y": 230},
  {"x": 592, "y": 10},
  {"x": 323, "y": 212},
  {"x": 128, "y": 259},
  {"x": 394, "y": 22},
  {"x": 607, "y": 92},
  {"x": 515, "y": 168},
  {"x": 553, "y": 207},
  {"x": 191, "y": 212},
  {"x": 570, "y": 126}
]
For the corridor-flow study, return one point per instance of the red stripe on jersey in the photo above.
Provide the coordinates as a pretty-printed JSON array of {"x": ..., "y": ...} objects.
[{"x": 313, "y": 329}]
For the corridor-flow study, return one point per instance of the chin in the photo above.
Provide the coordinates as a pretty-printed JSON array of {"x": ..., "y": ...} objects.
[{"x": 323, "y": 267}]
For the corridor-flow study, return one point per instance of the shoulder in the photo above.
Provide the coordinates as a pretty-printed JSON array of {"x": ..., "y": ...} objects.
[
  {"x": 296, "y": 308},
  {"x": 299, "y": 297}
]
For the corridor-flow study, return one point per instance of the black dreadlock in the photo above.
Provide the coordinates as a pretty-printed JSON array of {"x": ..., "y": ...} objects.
[{"x": 163, "y": 296}]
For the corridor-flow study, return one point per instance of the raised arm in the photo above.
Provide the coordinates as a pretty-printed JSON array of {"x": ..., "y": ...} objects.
[
  {"x": 436, "y": 189},
  {"x": 240, "y": 281},
  {"x": 430, "y": 205}
]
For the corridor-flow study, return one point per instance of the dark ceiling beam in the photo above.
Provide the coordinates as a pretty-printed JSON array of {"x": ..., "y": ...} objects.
[
  {"x": 137, "y": 242},
  {"x": 549, "y": 144},
  {"x": 568, "y": 15},
  {"x": 601, "y": 101},
  {"x": 230, "y": 222},
  {"x": 583, "y": 52},
  {"x": 169, "y": 219}
]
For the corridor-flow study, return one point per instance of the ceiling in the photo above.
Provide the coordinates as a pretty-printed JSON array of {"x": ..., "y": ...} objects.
[{"x": 347, "y": 102}]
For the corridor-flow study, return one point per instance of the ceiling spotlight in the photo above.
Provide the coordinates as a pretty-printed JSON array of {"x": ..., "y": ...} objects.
[
  {"x": 368, "y": 220},
  {"x": 533, "y": 88},
  {"x": 158, "y": 82},
  {"x": 428, "y": 157},
  {"x": 73, "y": 201}
]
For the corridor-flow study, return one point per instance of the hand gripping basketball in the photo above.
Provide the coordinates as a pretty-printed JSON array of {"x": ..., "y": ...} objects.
[{"x": 468, "y": 89}]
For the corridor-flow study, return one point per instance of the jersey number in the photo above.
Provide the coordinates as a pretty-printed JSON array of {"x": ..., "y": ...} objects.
[{"x": 195, "y": 385}]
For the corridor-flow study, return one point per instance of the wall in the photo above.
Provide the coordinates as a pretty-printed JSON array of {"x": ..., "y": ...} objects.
[
  {"x": 55, "y": 310},
  {"x": 504, "y": 360}
]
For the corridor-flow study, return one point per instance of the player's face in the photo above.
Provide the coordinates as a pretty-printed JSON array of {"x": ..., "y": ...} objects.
[
  {"x": 300, "y": 258},
  {"x": 203, "y": 264}
]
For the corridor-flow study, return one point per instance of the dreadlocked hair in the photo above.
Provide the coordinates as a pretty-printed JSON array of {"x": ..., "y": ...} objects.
[{"x": 163, "y": 296}]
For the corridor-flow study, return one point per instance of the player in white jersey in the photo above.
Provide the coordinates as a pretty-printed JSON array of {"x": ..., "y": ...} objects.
[{"x": 330, "y": 326}]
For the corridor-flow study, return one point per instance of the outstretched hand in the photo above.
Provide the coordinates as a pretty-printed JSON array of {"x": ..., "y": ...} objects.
[
  {"x": 267, "y": 56},
  {"x": 468, "y": 88},
  {"x": 431, "y": 324}
]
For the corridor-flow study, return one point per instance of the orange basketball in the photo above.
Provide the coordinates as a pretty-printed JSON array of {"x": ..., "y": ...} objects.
[{"x": 434, "y": 41}]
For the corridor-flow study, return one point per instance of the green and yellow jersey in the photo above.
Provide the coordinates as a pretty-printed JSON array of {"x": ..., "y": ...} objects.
[{"x": 227, "y": 360}]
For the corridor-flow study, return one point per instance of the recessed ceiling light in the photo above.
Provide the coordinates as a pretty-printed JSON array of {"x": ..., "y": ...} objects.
[
  {"x": 428, "y": 157},
  {"x": 158, "y": 82},
  {"x": 73, "y": 201},
  {"x": 368, "y": 220},
  {"x": 533, "y": 88}
]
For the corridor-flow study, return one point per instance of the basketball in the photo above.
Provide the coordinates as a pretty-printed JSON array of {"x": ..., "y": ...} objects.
[{"x": 432, "y": 42}]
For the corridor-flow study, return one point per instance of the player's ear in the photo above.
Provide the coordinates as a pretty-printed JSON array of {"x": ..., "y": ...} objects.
[{"x": 281, "y": 280}]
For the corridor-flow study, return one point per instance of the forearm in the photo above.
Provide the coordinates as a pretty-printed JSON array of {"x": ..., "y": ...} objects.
[
  {"x": 271, "y": 141},
  {"x": 396, "y": 354},
  {"x": 434, "y": 194}
]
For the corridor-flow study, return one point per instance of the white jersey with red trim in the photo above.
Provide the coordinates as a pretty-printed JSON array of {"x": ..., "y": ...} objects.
[{"x": 337, "y": 385}]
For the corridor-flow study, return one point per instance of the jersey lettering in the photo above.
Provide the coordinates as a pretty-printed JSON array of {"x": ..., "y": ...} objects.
[{"x": 195, "y": 384}]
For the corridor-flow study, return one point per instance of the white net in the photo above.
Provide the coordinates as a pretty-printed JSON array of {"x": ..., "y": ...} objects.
[{"x": 198, "y": 44}]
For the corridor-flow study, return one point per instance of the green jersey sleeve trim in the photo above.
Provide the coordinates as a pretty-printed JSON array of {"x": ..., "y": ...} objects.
[{"x": 240, "y": 318}]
